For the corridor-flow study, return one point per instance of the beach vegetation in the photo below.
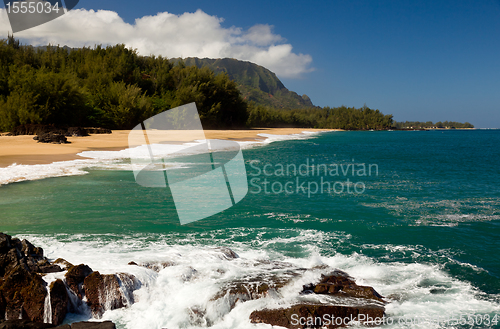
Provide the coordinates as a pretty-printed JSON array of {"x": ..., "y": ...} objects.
[{"x": 113, "y": 87}]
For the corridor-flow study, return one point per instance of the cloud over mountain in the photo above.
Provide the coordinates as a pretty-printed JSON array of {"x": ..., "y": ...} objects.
[{"x": 187, "y": 35}]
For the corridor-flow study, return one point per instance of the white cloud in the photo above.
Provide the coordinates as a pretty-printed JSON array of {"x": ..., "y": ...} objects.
[{"x": 188, "y": 35}]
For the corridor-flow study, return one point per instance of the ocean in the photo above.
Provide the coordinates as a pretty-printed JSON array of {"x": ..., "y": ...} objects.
[{"x": 415, "y": 214}]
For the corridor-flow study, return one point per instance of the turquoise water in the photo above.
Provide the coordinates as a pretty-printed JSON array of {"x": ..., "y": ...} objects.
[{"x": 425, "y": 229}]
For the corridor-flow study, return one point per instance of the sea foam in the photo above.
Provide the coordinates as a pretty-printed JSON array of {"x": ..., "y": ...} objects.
[
  {"x": 116, "y": 160},
  {"x": 181, "y": 294}
]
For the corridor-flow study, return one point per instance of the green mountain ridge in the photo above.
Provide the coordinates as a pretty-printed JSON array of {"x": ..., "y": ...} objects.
[{"x": 256, "y": 83}]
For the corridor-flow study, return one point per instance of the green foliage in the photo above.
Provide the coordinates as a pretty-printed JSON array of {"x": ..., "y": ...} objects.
[
  {"x": 41, "y": 96},
  {"x": 256, "y": 83},
  {"x": 328, "y": 118},
  {"x": 125, "y": 105},
  {"x": 111, "y": 87},
  {"x": 430, "y": 124}
]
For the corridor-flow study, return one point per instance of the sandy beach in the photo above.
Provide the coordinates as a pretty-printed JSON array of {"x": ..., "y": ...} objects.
[{"x": 25, "y": 150}]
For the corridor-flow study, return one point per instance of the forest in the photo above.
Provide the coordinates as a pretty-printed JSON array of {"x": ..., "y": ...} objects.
[
  {"x": 430, "y": 124},
  {"x": 347, "y": 118},
  {"x": 113, "y": 87}
]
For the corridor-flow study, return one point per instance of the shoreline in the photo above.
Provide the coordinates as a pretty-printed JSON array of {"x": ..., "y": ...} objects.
[{"x": 23, "y": 150}]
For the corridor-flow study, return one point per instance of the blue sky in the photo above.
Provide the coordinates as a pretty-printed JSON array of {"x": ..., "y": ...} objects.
[{"x": 418, "y": 60}]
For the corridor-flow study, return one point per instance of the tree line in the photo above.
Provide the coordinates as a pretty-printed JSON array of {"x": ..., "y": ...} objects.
[
  {"x": 347, "y": 118},
  {"x": 108, "y": 87},
  {"x": 430, "y": 124},
  {"x": 113, "y": 87}
]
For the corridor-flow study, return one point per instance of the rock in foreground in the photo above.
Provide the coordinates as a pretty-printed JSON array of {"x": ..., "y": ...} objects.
[
  {"x": 318, "y": 316},
  {"x": 348, "y": 303},
  {"x": 24, "y": 294},
  {"x": 341, "y": 284},
  {"x": 335, "y": 300},
  {"x": 22, "y": 289}
]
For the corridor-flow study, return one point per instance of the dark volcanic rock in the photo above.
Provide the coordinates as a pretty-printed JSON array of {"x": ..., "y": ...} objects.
[
  {"x": 29, "y": 250},
  {"x": 254, "y": 287},
  {"x": 268, "y": 284},
  {"x": 349, "y": 302},
  {"x": 58, "y": 301},
  {"x": 227, "y": 253},
  {"x": 9, "y": 259},
  {"x": 23, "y": 324},
  {"x": 24, "y": 293},
  {"x": 51, "y": 137},
  {"x": 155, "y": 266},
  {"x": 3, "y": 303},
  {"x": 77, "y": 132},
  {"x": 75, "y": 277},
  {"x": 93, "y": 325},
  {"x": 341, "y": 284},
  {"x": 44, "y": 266},
  {"x": 104, "y": 292},
  {"x": 4, "y": 242},
  {"x": 23, "y": 252},
  {"x": 128, "y": 284},
  {"x": 62, "y": 263},
  {"x": 22, "y": 289},
  {"x": 317, "y": 316}
]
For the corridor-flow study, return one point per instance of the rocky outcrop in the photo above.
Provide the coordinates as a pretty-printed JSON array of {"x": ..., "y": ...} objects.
[
  {"x": 76, "y": 132},
  {"x": 341, "y": 284},
  {"x": 155, "y": 266},
  {"x": 109, "y": 292},
  {"x": 23, "y": 324},
  {"x": 334, "y": 300},
  {"x": 53, "y": 134},
  {"x": 22, "y": 288},
  {"x": 128, "y": 284},
  {"x": 3, "y": 304},
  {"x": 24, "y": 294},
  {"x": 51, "y": 137},
  {"x": 318, "y": 316},
  {"x": 58, "y": 301},
  {"x": 14, "y": 252},
  {"x": 348, "y": 303},
  {"x": 227, "y": 253},
  {"x": 64, "y": 264},
  {"x": 90, "y": 325},
  {"x": 75, "y": 277},
  {"x": 252, "y": 288}
]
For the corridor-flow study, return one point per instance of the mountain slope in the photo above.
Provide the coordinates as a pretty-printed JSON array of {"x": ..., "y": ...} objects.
[{"x": 256, "y": 83}]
